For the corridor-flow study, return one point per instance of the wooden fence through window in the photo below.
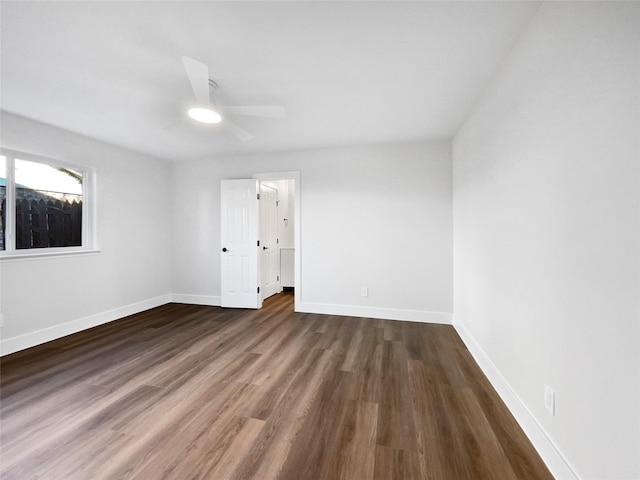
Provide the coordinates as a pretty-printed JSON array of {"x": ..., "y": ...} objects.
[{"x": 46, "y": 219}]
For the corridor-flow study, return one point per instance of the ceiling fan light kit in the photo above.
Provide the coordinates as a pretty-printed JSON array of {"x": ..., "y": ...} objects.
[{"x": 204, "y": 114}]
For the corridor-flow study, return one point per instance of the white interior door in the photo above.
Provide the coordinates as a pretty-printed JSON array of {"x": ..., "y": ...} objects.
[
  {"x": 239, "y": 236},
  {"x": 269, "y": 254}
]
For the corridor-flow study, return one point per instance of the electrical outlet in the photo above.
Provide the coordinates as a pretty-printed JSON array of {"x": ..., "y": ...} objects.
[
  {"x": 550, "y": 399},
  {"x": 364, "y": 291}
]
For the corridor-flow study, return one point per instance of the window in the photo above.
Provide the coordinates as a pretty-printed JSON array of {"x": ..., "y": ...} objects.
[{"x": 45, "y": 206}]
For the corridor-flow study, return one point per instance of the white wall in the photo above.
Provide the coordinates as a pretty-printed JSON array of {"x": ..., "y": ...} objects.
[
  {"x": 42, "y": 299},
  {"x": 546, "y": 202},
  {"x": 377, "y": 216}
]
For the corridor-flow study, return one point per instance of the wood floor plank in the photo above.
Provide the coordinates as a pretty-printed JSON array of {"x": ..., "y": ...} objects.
[
  {"x": 432, "y": 419},
  {"x": 396, "y": 417},
  {"x": 208, "y": 437},
  {"x": 487, "y": 459},
  {"x": 227, "y": 464},
  {"x": 397, "y": 464},
  {"x": 359, "y": 452},
  {"x": 317, "y": 448},
  {"x": 196, "y": 392},
  {"x": 291, "y": 401}
]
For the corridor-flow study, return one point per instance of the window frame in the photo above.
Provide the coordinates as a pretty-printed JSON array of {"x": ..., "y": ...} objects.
[{"x": 89, "y": 234}]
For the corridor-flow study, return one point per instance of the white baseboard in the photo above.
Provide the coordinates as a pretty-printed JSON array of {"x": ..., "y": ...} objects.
[
  {"x": 196, "y": 299},
  {"x": 22, "y": 342},
  {"x": 550, "y": 454},
  {"x": 423, "y": 316}
]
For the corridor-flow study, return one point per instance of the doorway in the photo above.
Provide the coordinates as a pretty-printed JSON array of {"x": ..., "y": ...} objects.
[
  {"x": 257, "y": 236},
  {"x": 288, "y": 187}
]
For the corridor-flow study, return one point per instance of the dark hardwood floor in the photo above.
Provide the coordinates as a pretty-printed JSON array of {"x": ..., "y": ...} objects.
[{"x": 193, "y": 392}]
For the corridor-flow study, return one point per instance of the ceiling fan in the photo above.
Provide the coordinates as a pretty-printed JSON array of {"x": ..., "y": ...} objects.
[{"x": 207, "y": 111}]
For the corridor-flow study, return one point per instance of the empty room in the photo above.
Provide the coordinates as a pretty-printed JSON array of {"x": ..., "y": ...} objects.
[{"x": 359, "y": 240}]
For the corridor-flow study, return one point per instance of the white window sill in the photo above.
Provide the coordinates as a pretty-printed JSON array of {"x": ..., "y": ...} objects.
[{"x": 44, "y": 254}]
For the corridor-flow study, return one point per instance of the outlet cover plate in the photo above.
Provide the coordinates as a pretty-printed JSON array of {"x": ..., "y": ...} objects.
[{"x": 550, "y": 399}]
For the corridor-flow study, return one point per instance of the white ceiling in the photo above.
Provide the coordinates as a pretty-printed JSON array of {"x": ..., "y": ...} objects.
[{"x": 348, "y": 73}]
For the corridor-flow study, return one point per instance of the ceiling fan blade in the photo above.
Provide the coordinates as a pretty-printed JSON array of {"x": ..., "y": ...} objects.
[
  {"x": 198, "y": 74},
  {"x": 240, "y": 133},
  {"x": 259, "y": 111}
]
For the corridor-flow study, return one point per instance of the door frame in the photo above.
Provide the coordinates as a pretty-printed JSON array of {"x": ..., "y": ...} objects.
[{"x": 297, "y": 215}]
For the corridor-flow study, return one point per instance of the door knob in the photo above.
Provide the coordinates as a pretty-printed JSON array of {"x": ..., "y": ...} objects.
[
  {"x": 224, "y": 249},
  {"x": 265, "y": 248}
]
